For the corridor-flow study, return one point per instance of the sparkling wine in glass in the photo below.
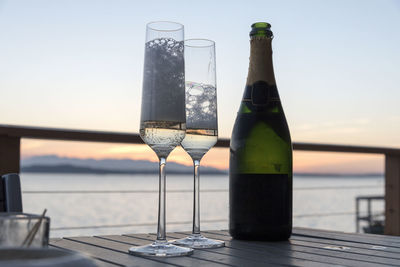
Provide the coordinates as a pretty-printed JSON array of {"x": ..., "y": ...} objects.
[
  {"x": 201, "y": 124},
  {"x": 162, "y": 124}
]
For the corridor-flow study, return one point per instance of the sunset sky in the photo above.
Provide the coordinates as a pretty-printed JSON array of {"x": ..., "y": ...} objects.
[{"x": 78, "y": 64}]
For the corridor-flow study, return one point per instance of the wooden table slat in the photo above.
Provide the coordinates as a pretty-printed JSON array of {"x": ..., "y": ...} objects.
[
  {"x": 301, "y": 252},
  {"x": 123, "y": 248},
  {"x": 306, "y": 248},
  {"x": 348, "y": 252},
  {"x": 106, "y": 254},
  {"x": 100, "y": 263},
  {"x": 357, "y": 238},
  {"x": 376, "y": 240},
  {"x": 384, "y": 238},
  {"x": 380, "y": 251},
  {"x": 211, "y": 259},
  {"x": 265, "y": 256}
]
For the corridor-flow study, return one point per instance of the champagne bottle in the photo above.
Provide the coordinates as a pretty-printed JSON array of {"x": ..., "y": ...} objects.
[{"x": 260, "y": 164}]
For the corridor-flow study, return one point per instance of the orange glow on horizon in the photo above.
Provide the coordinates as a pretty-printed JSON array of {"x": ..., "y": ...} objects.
[
  {"x": 216, "y": 157},
  {"x": 317, "y": 162}
]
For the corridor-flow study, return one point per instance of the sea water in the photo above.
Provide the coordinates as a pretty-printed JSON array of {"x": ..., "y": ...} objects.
[{"x": 82, "y": 204}]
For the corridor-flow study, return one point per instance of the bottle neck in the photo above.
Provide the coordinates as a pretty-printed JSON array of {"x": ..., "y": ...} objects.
[{"x": 260, "y": 66}]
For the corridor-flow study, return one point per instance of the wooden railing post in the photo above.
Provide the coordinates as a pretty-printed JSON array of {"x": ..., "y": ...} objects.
[
  {"x": 9, "y": 154},
  {"x": 392, "y": 194}
]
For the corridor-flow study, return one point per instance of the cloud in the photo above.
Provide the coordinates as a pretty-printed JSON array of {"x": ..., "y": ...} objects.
[{"x": 331, "y": 129}]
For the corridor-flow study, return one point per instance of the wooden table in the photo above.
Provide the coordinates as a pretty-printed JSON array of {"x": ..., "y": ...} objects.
[{"x": 306, "y": 247}]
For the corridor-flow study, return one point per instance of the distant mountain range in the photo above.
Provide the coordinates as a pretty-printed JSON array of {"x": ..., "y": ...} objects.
[{"x": 56, "y": 164}]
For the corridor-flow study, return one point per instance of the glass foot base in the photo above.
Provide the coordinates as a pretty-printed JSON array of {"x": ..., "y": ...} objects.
[
  {"x": 199, "y": 241},
  {"x": 160, "y": 249}
]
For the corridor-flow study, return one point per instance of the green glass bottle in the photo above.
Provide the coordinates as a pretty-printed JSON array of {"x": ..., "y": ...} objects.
[{"x": 260, "y": 165}]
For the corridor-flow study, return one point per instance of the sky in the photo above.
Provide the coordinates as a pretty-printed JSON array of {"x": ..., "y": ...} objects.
[{"x": 78, "y": 64}]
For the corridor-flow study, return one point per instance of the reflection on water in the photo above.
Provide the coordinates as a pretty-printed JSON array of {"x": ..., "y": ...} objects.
[{"x": 125, "y": 212}]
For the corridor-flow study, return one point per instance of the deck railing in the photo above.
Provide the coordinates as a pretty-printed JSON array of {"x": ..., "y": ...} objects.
[{"x": 10, "y": 139}]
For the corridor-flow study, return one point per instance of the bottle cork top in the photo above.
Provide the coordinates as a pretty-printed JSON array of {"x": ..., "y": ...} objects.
[{"x": 262, "y": 29}]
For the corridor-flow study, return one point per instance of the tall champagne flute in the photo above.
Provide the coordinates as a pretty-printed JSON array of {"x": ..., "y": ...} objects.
[
  {"x": 201, "y": 123},
  {"x": 162, "y": 124}
]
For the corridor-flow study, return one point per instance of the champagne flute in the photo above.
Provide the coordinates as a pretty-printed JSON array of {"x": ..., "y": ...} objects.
[
  {"x": 162, "y": 124},
  {"x": 201, "y": 123}
]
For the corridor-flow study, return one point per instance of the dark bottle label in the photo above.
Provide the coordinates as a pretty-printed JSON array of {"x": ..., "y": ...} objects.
[
  {"x": 261, "y": 94},
  {"x": 260, "y": 206}
]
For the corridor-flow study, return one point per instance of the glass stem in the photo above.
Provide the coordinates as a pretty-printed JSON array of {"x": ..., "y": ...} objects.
[
  {"x": 161, "y": 202},
  {"x": 196, "y": 198}
]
